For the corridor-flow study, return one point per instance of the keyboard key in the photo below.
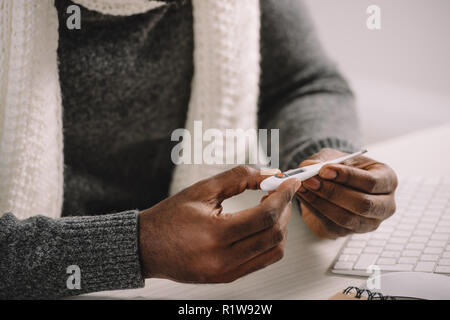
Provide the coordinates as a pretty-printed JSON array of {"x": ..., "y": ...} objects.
[
  {"x": 430, "y": 250},
  {"x": 427, "y": 226},
  {"x": 402, "y": 233},
  {"x": 365, "y": 260},
  {"x": 352, "y": 251},
  {"x": 390, "y": 254},
  {"x": 446, "y": 254},
  {"x": 439, "y": 236},
  {"x": 421, "y": 203},
  {"x": 442, "y": 230},
  {"x": 417, "y": 246},
  {"x": 406, "y": 227},
  {"x": 411, "y": 253},
  {"x": 373, "y": 250},
  {"x": 348, "y": 257},
  {"x": 433, "y": 220},
  {"x": 380, "y": 236},
  {"x": 407, "y": 260},
  {"x": 341, "y": 265},
  {"x": 429, "y": 257},
  {"x": 397, "y": 240},
  {"x": 417, "y": 208},
  {"x": 387, "y": 229},
  {"x": 437, "y": 243},
  {"x": 361, "y": 236},
  {"x": 394, "y": 247},
  {"x": 377, "y": 243},
  {"x": 425, "y": 267},
  {"x": 419, "y": 239},
  {"x": 444, "y": 262},
  {"x": 424, "y": 233},
  {"x": 442, "y": 269},
  {"x": 397, "y": 267},
  {"x": 388, "y": 261},
  {"x": 356, "y": 244},
  {"x": 415, "y": 213}
]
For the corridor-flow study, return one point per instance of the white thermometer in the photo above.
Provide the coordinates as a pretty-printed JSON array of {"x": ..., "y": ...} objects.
[{"x": 303, "y": 173}]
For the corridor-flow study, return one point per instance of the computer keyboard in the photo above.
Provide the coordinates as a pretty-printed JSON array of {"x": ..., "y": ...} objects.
[{"x": 415, "y": 238}]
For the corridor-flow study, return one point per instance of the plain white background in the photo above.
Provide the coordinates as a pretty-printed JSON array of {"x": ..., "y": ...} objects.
[{"x": 401, "y": 73}]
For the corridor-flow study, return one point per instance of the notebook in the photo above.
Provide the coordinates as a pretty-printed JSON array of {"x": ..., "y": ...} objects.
[{"x": 400, "y": 286}]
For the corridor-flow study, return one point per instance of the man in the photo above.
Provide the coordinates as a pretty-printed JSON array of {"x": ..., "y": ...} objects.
[{"x": 117, "y": 158}]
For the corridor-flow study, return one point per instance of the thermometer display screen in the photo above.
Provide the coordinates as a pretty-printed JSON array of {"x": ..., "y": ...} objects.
[{"x": 294, "y": 172}]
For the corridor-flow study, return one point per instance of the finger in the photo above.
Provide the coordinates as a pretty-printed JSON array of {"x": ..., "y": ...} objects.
[
  {"x": 244, "y": 223},
  {"x": 326, "y": 154},
  {"x": 377, "y": 179},
  {"x": 309, "y": 163},
  {"x": 320, "y": 225},
  {"x": 371, "y": 206},
  {"x": 329, "y": 154},
  {"x": 248, "y": 248},
  {"x": 338, "y": 215},
  {"x": 232, "y": 182},
  {"x": 269, "y": 171},
  {"x": 259, "y": 262}
]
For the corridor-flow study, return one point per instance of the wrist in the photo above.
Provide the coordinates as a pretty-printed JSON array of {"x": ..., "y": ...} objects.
[{"x": 145, "y": 243}]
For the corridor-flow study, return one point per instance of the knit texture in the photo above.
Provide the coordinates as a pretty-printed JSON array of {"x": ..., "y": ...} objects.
[
  {"x": 104, "y": 248},
  {"x": 225, "y": 85},
  {"x": 120, "y": 7},
  {"x": 31, "y": 157},
  {"x": 125, "y": 90}
]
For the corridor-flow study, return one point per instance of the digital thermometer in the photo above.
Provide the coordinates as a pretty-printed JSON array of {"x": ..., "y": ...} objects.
[{"x": 303, "y": 173}]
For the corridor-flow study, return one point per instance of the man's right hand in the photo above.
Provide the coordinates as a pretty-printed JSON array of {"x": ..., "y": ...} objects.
[{"x": 187, "y": 237}]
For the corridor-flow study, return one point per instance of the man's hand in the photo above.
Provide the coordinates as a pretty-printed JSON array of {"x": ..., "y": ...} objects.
[
  {"x": 187, "y": 238},
  {"x": 354, "y": 197}
]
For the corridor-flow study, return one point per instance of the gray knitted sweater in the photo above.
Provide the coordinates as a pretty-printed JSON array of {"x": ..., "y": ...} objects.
[{"x": 116, "y": 144}]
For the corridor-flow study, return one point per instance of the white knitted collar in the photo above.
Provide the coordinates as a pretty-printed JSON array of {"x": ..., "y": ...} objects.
[
  {"x": 120, "y": 7},
  {"x": 224, "y": 91}
]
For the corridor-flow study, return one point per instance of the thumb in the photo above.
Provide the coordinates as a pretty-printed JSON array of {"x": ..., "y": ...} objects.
[{"x": 309, "y": 163}]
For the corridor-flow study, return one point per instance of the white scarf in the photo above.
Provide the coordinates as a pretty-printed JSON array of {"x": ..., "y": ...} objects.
[{"x": 224, "y": 91}]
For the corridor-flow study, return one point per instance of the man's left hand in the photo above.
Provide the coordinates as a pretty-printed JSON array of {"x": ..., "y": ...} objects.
[{"x": 353, "y": 197}]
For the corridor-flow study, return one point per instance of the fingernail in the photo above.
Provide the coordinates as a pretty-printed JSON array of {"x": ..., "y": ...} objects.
[
  {"x": 328, "y": 173},
  {"x": 269, "y": 171},
  {"x": 312, "y": 183}
]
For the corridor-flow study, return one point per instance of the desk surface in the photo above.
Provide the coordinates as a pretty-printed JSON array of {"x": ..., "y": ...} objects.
[{"x": 304, "y": 271}]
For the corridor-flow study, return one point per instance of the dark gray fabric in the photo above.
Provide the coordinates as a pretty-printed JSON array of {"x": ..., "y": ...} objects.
[
  {"x": 126, "y": 85},
  {"x": 36, "y": 252},
  {"x": 302, "y": 92}
]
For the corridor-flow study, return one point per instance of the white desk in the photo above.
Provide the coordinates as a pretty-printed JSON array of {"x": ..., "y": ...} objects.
[{"x": 304, "y": 271}]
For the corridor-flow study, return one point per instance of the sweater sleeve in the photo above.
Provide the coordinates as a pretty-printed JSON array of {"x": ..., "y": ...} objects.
[
  {"x": 302, "y": 92},
  {"x": 38, "y": 255}
]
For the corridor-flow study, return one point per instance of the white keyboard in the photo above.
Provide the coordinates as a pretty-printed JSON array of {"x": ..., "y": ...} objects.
[{"x": 415, "y": 238}]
